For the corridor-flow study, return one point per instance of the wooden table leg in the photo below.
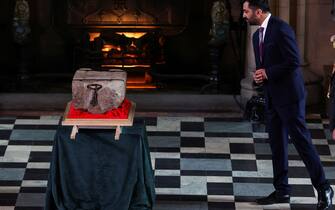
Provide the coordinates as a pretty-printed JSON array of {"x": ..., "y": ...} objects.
[
  {"x": 74, "y": 132},
  {"x": 117, "y": 132}
]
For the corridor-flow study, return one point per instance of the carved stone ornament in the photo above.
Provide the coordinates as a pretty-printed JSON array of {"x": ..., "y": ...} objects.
[
  {"x": 120, "y": 12},
  {"x": 21, "y": 28},
  {"x": 220, "y": 24}
]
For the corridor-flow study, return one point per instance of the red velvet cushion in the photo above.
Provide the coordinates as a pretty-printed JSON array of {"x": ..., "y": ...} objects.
[{"x": 119, "y": 113}]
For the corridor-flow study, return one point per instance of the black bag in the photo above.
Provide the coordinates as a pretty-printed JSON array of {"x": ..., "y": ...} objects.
[{"x": 255, "y": 109}]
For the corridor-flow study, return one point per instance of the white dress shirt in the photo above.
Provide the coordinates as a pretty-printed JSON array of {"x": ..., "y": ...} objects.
[{"x": 265, "y": 24}]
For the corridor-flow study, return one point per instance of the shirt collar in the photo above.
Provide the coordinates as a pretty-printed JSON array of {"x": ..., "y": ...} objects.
[{"x": 266, "y": 21}]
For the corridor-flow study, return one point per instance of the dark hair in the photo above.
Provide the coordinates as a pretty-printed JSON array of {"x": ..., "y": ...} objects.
[{"x": 259, "y": 4}]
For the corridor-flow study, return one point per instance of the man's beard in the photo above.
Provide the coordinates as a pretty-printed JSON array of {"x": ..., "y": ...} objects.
[{"x": 253, "y": 20}]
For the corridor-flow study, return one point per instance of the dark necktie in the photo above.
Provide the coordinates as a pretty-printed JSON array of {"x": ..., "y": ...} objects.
[{"x": 261, "y": 43}]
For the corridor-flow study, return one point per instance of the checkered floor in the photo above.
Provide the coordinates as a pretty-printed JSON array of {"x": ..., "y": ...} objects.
[{"x": 200, "y": 163}]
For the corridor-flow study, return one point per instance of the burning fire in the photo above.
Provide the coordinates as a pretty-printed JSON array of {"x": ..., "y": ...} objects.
[
  {"x": 135, "y": 35},
  {"x": 128, "y": 56},
  {"x": 109, "y": 47},
  {"x": 94, "y": 35}
]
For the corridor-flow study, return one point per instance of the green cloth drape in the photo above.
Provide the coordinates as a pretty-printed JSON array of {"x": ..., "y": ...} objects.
[{"x": 96, "y": 172}]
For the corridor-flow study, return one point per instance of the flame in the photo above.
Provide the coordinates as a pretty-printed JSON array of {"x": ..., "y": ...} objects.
[
  {"x": 135, "y": 35},
  {"x": 127, "y": 55},
  {"x": 106, "y": 49},
  {"x": 94, "y": 35},
  {"x": 109, "y": 47}
]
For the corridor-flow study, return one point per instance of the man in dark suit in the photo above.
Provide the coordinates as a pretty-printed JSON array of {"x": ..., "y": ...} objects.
[
  {"x": 331, "y": 95},
  {"x": 278, "y": 71}
]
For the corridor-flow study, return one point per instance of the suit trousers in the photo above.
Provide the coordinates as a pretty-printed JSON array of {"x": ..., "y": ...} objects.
[{"x": 289, "y": 121}]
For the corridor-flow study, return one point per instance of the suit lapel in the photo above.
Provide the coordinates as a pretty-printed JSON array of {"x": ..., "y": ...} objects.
[{"x": 267, "y": 34}]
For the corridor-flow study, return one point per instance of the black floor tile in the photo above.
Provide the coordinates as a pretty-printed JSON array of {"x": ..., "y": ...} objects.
[
  {"x": 221, "y": 206},
  {"x": 170, "y": 164},
  {"x": 7, "y": 121},
  {"x": 161, "y": 149},
  {"x": 5, "y": 134},
  {"x": 244, "y": 165},
  {"x": 36, "y": 174},
  {"x": 246, "y": 198},
  {"x": 40, "y": 156},
  {"x": 193, "y": 173},
  {"x": 29, "y": 117},
  {"x": 217, "y": 156},
  {"x": 13, "y": 165},
  {"x": 10, "y": 183},
  {"x": 33, "y": 189},
  {"x": 167, "y": 181},
  {"x": 193, "y": 155},
  {"x": 241, "y": 148},
  {"x": 317, "y": 134},
  {"x": 2, "y": 150},
  {"x": 193, "y": 198},
  {"x": 220, "y": 189},
  {"x": 219, "y": 173},
  {"x": 192, "y": 126},
  {"x": 30, "y": 142},
  {"x": 215, "y": 134},
  {"x": 192, "y": 142},
  {"x": 162, "y": 133},
  {"x": 8, "y": 199},
  {"x": 323, "y": 149}
]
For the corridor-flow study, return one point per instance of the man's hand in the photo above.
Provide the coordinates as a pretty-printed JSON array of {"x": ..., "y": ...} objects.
[
  {"x": 260, "y": 76},
  {"x": 333, "y": 134}
]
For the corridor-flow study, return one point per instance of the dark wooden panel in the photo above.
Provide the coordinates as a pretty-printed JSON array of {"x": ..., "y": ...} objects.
[{"x": 6, "y": 11}]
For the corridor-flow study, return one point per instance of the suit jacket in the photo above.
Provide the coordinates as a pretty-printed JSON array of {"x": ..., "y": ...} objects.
[
  {"x": 332, "y": 102},
  {"x": 281, "y": 61}
]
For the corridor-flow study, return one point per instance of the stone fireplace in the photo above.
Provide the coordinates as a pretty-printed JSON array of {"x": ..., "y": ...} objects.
[{"x": 123, "y": 34}]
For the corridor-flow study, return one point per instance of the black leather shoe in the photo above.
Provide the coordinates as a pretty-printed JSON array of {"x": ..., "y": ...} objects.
[
  {"x": 325, "y": 197},
  {"x": 273, "y": 198}
]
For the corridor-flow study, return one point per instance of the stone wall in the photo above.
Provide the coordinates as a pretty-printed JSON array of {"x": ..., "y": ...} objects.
[
  {"x": 6, "y": 51},
  {"x": 319, "y": 28}
]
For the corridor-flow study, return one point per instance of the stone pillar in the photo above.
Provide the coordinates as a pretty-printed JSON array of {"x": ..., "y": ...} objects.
[
  {"x": 247, "y": 89},
  {"x": 313, "y": 82},
  {"x": 284, "y": 10},
  {"x": 273, "y": 7},
  {"x": 301, "y": 29}
]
